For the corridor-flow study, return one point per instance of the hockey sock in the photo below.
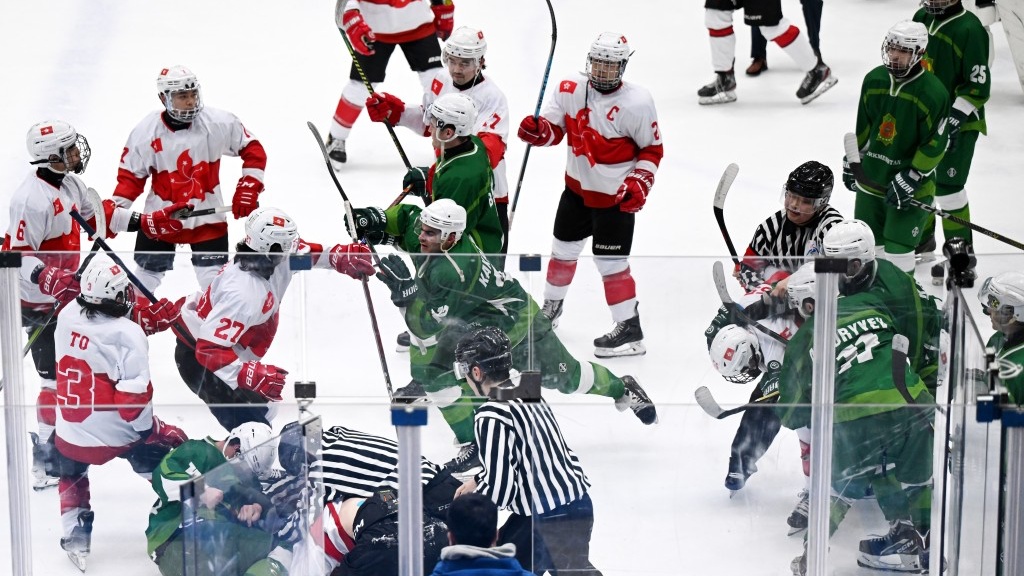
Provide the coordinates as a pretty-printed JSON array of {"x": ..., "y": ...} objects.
[
  {"x": 459, "y": 416},
  {"x": 838, "y": 507},
  {"x": 919, "y": 497},
  {"x": 952, "y": 229},
  {"x": 46, "y": 410},
  {"x": 892, "y": 499},
  {"x": 901, "y": 255},
  {"x": 559, "y": 276},
  {"x": 620, "y": 294},
  {"x": 788, "y": 37},
  {"x": 350, "y": 105},
  {"x": 723, "y": 39},
  {"x": 605, "y": 383},
  {"x": 74, "y": 494},
  {"x": 150, "y": 279}
]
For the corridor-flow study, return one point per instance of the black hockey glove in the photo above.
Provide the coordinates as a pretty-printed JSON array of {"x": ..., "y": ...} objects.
[
  {"x": 953, "y": 123},
  {"x": 367, "y": 220},
  {"x": 848, "y": 179},
  {"x": 903, "y": 187},
  {"x": 416, "y": 180},
  {"x": 749, "y": 278},
  {"x": 396, "y": 275}
]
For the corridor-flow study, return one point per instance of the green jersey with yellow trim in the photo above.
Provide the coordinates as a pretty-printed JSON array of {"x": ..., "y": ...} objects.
[{"x": 1010, "y": 359}]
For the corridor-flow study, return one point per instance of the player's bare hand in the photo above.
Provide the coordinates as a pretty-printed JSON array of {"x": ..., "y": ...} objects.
[
  {"x": 211, "y": 497},
  {"x": 249, "y": 513},
  {"x": 468, "y": 487}
]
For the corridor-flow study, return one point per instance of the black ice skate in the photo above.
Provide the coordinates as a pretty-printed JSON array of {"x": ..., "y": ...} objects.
[
  {"x": 898, "y": 551},
  {"x": 403, "y": 342},
  {"x": 466, "y": 464},
  {"x": 798, "y": 517},
  {"x": 410, "y": 393},
  {"x": 553, "y": 310},
  {"x": 634, "y": 398},
  {"x": 626, "y": 339},
  {"x": 336, "y": 151},
  {"x": 42, "y": 464},
  {"x": 721, "y": 90},
  {"x": 816, "y": 82},
  {"x": 78, "y": 543},
  {"x": 739, "y": 471},
  {"x": 925, "y": 251}
]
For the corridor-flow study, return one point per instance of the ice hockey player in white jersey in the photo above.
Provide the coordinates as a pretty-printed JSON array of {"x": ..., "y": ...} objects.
[
  {"x": 180, "y": 148},
  {"x": 463, "y": 56},
  {"x": 233, "y": 321},
  {"x": 614, "y": 150},
  {"x": 104, "y": 396}
]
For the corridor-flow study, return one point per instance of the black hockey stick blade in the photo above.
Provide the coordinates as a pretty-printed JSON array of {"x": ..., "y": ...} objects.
[
  {"x": 900, "y": 346},
  {"x": 724, "y": 184},
  {"x": 718, "y": 271}
]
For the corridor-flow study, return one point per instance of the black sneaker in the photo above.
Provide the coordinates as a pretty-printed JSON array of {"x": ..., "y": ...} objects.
[
  {"x": 336, "y": 150},
  {"x": 816, "y": 83},
  {"x": 625, "y": 339},
  {"x": 721, "y": 90},
  {"x": 466, "y": 463},
  {"x": 78, "y": 543},
  {"x": 552, "y": 309},
  {"x": 636, "y": 399},
  {"x": 403, "y": 342},
  {"x": 898, "y": 551}
]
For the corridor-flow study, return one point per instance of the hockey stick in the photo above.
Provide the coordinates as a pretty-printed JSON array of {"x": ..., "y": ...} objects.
[
  {"x": 724, "y": 184},
  {"x": 369, "y": 87},
  {"x": 536, "y": 113},
  {"x": 723, "y": 293},
  {"x": 708, "y": 403},
  {"x": 900, "y": 346},
  {"x": 365, "y": 281},
  {"x": 853, "y": 158},
  {"x": 185, "y": 213}
]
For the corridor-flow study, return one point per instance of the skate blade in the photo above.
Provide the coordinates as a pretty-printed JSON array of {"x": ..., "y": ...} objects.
[
  {"x": 902, "y": 564},
  {"x": 794, "y": 531},
  {"x": 400, "y": 348},
  {"x": 45, "y": 483},
  {"x": 631, "y": 349},
  {"x": 825, "y": 86},
  {"x": 78, "y": 559},
  {"x": 924, "y": 258},
  {"x": 720, "y": 98}
]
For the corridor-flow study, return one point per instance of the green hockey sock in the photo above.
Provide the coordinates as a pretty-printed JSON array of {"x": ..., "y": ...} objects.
[
  {"x": 605, "y": 383},
  {"x": 459, "y": 416},
  {"x": 954, "y": 229}
]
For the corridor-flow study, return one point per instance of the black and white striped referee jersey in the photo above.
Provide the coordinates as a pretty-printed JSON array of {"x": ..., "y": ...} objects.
[{"x": 780, "y": 245}]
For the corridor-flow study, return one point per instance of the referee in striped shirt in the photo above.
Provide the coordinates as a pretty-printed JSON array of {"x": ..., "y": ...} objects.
[{"x": 527, "y": 467}]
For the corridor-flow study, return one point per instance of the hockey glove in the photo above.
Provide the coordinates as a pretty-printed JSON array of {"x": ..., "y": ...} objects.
[
  {"x": 848, "y": 180},
  {"x": 57, "y": 282},
  {"x": 264, "y": 379},
  {"x": 539, "y": 131},
  {"x": 246, "y": 196},
  {"x": 164, "y": 434},
  {"x": 956, "y": 119},
  {"x": 352, "y": 260},
  {"x": 416, "y": 180},
  {"x": 749, "y": 278},
  {"x": 383, "y": 107},
  {"x": 157, "y": 317},
  {"x": 632, "y": 194},
  {"x": 904, "y": 185},
  {"x": 396, "y": 275},
  {"x": 444, "y": 18},
  {"x": 367, "y": 220},
  {"x": 358, "y": 32},
  {"x": 158, "y": 224}
]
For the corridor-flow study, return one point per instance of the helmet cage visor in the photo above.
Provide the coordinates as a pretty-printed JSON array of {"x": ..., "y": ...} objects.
[
  {"x": 897, "y": 58},
  {"x": 605, "y": 74}
]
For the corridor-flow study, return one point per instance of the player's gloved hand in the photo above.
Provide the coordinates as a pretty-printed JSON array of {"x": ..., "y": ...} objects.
[
  {"x": 264, "y": 379},
  {"x": 632, "y": 194},
  {"x": 383, "y": 107},
  {"x": 358, "y": 32},
  {"x": 848, "y": 180},
  {"x": 444, "y": 18},
  {"x": 367, "y": 220},
  {"x": 956, "y": 119},
  {"x": 396, "y": 275},
  {"x": 416, "y": 180},
  {"x": 246, "y": 196},
  {"x": 538, "y": 131},
  {"x": 158, "y": 316},
  {"x": 352, "y": 260},
  {"x": 904, "y": 185},
  {"x": 164, "y": 434},
  {"x": 158, "y": 224},
  {"x": 749, "y": 278},
  {"x": 57, "y": 282}
]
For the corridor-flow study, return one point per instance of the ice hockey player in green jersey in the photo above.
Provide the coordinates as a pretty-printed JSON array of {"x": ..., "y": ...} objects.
[
  {"x": 883, "y": 423},
  {"x": 958, "y": 55},
  {"x": 901, "y": 132},
  {"x": 1002, "y": 299},
  {"x": 228, "y": 506}
]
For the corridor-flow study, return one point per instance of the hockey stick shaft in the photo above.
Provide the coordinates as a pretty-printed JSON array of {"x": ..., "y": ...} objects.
[
  {"x": 185, "y": 213},
  {"x": 723, "y": 294},
  {"x": 536, "y": 113},
  {"x": 712, "y": 408},
  {"x": 853, "y": 158},
  {"x": 724, "y": 184}
]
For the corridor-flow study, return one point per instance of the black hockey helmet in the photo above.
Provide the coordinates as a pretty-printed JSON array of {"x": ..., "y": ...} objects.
[
  {"x": 812, "y": 180},
  {"x": 488, "y": 348}
]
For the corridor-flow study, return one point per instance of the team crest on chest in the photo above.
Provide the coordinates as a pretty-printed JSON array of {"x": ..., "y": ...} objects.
[
  {"x": 436, "y": 86},
  {"x": 157, "y": 145},
  {"x": 57, "y": 206},
  {"x": 268, "y": 304},
  {"x": 887, "y": 130}
]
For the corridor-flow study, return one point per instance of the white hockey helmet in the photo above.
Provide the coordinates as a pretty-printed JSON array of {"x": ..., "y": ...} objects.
[
  {"x": 106, "y": 287},
  {"x": 606, "y": 60},
  {"x": 854, "y": 240},
  {"x": 445, "y": 215},
  {"x": 256, "y": 445},
  {"x": 455, "y": 110},
  {"x": 1003, "y": 294},
  {"x": 466, "y": 42},
  {"x": 179, "y": 79},
  {"x": 736, "y": 354},
  {"x": 271, "y": 230},
  {"x": 800, "y": 288},
  {"x": 48, "y": 142},
  {"x": 908, "y": 38}
]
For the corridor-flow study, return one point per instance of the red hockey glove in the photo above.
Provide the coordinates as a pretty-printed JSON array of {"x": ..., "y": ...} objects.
[
  {"x": 352, "y": 260},
  {"x": 444, "y": 19},
  {"x": 164, "y": 434},
  {"x": 158, "y": 224},
  {"x": 246, "y": 197},
  {"x": 634, "y": 190},
  {"x": 538, "y": 131},
  {"x": 264, "y": 379},
  {"x": 158, "y": 316},
  {"x": 383, "y": 107},
  {"x": 358, "y": 32},
  {"x": 59, "y": 283}
]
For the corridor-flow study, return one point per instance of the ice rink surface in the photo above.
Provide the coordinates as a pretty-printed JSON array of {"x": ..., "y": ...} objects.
[{"x": 659, "y": 500}]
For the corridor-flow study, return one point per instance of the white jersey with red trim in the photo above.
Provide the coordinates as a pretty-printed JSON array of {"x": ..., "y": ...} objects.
[
  {"x": 609, "y": 135},
  {"x": 492, "y": 120},
  {"x": 394, "y": 21},
  {"x": 104, "y": 394},
  {"x": 185, "y": 166},
  {"x": 784, "y": 325},
  {"x": 337, "y": 541},
  {"x": 41, "y": 223}
]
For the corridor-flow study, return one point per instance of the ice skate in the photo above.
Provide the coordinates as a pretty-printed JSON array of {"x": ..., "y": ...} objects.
[
  {"x": 410, "y": 393},
  {"x": 818, "y": 81},
  {"x": 721, "y": 90},
  {"x": 466, "y": 463},
  {"x": 78, "y": 543},
  {"x": 898, "y": 551},
  {"x": 552, "y": 309},
  {"x": 739, "y": 471},
  {"x": 757, "y": 66},
  {"x": 42, "y": 453},
  {"x": 925, "y": 251},
  {"x": 336, "y": 152},
  {"x": 403, "y": 342},
  {"x": 626, "y": 339},
  {"x": 799, "y": 564},
  {"x": 798, "y": 517},
  {"x": 636, "y": 399}
]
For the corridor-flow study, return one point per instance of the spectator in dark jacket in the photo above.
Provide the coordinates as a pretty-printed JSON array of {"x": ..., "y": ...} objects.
[{"x": 472, "y": 533}]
